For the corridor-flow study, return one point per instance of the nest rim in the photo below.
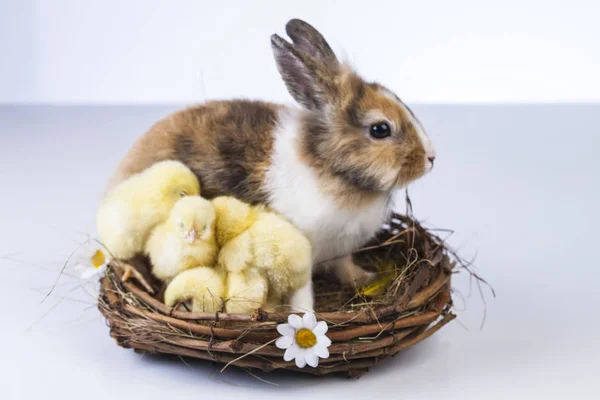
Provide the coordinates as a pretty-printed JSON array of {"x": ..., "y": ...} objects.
[{"x": 410, "y": 311}]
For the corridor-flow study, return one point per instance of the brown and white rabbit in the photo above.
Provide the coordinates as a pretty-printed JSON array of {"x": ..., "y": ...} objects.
[{"x": 330, "y": 166}]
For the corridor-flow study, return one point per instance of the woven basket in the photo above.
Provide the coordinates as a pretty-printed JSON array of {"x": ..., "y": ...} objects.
[{"x": 363, "y": 330}]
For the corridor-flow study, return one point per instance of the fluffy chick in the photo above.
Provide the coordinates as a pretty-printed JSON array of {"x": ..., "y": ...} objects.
[
  {"x": 255, "y": 237},
  {"x": 132, "y": 209},
  {"x": 185, "y": 240},
  {"x": 201, "y": 287}
]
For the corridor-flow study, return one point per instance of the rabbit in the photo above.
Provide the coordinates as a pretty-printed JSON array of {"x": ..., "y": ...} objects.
[{"x": 329, "y": 166}]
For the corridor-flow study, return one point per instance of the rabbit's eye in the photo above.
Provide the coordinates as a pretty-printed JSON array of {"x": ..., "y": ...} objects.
[{"x": 380, "y": 130}]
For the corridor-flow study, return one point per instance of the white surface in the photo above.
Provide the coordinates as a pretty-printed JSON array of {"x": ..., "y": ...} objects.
[
  {"x": 518, "y": 184},
  {"x": 154, "y": 51}
]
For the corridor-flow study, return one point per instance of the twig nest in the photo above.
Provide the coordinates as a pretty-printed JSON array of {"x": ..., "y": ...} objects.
[{"x": 351, "y": 330}]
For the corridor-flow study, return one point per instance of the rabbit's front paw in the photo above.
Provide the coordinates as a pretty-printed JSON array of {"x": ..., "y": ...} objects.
[{"x": 351, "y": 274}]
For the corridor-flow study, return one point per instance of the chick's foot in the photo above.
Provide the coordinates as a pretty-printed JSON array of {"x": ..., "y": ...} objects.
[{"x": 129, "y": 271}]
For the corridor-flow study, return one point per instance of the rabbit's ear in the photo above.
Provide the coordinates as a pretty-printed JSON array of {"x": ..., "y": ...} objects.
[
  {"x": 309, "y": 82},
  {"x": 307, "y": 39}
]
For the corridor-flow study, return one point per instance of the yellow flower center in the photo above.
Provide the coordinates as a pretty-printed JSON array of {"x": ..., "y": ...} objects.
[
  {"x": 98, "y": 259},
  {"x": 305, "y": 338}
]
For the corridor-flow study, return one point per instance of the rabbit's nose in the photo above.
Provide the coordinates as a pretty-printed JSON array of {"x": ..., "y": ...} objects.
[{"x": 430, "y": 155}]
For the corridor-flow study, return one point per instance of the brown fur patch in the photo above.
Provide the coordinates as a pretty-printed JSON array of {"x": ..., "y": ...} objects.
[{"x": 226, "y": 143}]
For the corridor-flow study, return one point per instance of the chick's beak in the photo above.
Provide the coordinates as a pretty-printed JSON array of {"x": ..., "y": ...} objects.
[{"x": 192, "y": 235}]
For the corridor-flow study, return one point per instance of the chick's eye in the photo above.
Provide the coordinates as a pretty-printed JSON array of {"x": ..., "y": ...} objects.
[
  {"x": 183, "y": 193},
  {"x": 380, "y": 130}
]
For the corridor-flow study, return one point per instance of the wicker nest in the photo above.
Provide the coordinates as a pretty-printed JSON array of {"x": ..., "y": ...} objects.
[{"x": 364, "y": 330}]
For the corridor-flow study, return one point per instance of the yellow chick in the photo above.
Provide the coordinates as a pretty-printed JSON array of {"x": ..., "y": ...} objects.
[
  {"x": 203, "y": 287},
  {"x": 132, "y": 209},
  {"x": 253, "y": 237},
  {"x": 185, "y": 240}
]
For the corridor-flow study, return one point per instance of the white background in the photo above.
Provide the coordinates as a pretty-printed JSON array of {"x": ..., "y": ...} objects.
[
  {"x": 181, "y": 51},
  {"x": 518, "y": 183}
]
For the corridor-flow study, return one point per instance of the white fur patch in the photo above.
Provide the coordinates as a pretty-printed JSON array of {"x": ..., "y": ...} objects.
[
  {"x": 294, "y": 192},
  {"x": 427, "y": 144}
]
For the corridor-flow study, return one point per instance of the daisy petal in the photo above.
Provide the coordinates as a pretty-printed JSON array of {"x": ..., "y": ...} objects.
[
  {"x": 323, "y": 340},
  {"x": 295, "y": 321},
  {"x": 291, "y": 352},
  {"x": 286, "y": 330},
  {"x": 284, "y": 342},
  {"x": 320, "y": 328},
  {"x": 300, "y": 360},
  {"x": 309, "y": 320},
  {"x": 87, "y": 273},
  {"x": 311, "y": 358},
  {"x": 80, "y": 267},
  {"x": 321, "y": 351}
]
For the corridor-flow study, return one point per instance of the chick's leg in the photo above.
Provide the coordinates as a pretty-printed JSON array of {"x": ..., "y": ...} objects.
[{"x": 129, "y": 271}]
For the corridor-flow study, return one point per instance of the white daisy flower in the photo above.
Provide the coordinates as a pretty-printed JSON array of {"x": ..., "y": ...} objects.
[
  {"x": 90, "y": 260},
  {"x": 304, "y": 340}
]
